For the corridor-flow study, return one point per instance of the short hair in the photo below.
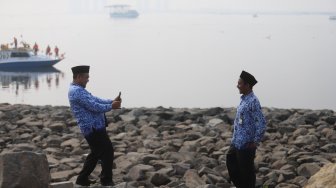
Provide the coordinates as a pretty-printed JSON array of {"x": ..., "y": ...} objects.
[{"x": 75, "y": 75}]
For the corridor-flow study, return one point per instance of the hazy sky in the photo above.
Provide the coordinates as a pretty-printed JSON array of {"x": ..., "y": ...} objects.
[
  {"x": 182, "y": 53},
  {"x": 166, "y": 5}
]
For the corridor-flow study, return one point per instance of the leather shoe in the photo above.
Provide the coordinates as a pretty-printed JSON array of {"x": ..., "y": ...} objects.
[
  {"x": 86, "y": 182},
  {"x": 107, "y": 183}
]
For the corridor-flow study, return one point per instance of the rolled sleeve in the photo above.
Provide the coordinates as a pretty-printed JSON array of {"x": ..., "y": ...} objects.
[{"x": 100, "y": 100}]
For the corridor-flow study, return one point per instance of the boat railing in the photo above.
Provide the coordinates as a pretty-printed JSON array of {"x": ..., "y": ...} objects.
[{"x": 20, "y": 49}]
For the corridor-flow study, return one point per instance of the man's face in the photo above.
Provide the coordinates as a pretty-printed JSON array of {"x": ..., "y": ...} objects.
[
  {"x": 83, "y": 79},
  {"x": 242, "y": 86}
]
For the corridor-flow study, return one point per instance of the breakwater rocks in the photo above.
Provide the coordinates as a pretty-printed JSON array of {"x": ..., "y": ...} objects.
[{"x": 174, "y": 147}]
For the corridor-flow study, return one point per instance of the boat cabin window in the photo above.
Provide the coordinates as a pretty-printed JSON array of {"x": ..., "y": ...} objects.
[{"x": 19, "y": 54}]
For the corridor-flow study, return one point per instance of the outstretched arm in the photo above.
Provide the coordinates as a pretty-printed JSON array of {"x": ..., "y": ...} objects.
[{"x": 89, "y": 102}]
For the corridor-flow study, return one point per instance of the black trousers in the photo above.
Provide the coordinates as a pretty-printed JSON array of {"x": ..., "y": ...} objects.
[
  {"x": 101, "y": 148},
  {"x": 240, "y": 164}
]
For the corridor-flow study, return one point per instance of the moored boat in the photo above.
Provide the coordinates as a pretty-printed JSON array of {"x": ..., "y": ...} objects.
[{"x": 25, "y": 58}]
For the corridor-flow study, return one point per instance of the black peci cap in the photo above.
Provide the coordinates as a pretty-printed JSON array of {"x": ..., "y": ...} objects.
[
  {"x": 80, "y": 69},
  {"x": 248, "y": 78}
]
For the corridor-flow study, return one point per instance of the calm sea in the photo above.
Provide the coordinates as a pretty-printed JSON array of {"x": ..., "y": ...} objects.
[{"x": 176, "y": 53}]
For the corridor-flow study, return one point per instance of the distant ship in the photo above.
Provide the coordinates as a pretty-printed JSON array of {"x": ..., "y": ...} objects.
[
  {"x": 122, "y": 11},
  {"x": 25, "y": 58}
]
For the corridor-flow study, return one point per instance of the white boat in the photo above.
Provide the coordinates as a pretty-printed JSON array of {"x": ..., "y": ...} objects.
[
  {"x": 122, "y": 11},
  {"x": 25, "y": 58}
]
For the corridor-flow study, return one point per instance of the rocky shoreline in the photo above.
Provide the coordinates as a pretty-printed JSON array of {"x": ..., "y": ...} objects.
[{"x": 174, "y": 147}]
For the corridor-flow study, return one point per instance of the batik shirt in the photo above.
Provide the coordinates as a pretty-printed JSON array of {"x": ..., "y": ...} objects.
[
  {"x": 249, "y": 124},
  {"x": 88, "y": 109}
]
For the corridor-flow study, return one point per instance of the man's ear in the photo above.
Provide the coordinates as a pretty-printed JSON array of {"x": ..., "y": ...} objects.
[{"x": 247, "y": 84}]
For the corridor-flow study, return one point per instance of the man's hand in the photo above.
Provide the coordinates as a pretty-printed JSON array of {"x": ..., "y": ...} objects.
[
  {"x": 118, "y": 98},
  {"x": 116, "y": 104}
]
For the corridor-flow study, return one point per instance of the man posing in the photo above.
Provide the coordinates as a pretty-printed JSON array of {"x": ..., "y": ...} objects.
[
  {"x": 249, "y": 128},
  {"x": 89, "y": 112}
]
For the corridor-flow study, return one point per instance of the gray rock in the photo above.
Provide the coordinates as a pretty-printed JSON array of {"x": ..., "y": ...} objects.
[
  {"x": 308, "y": 169},
  {"x": 129, "y": 127},
  {"x": 24, "y": 147},
  {"x": 331, "y": 120},
  {"x": 311, "y": 117},
  {"x": 25, "y": 120},
  {"x": 149, "y": 132},
  {"x": 192, "y": 179},
  {"x": 120, "y": 136},
  {"x": 152, "y": 144},
  {"x": 147, "y": 158},
  {"x": 299, "y": 132},
  {"x": 2, "y": 115},
  {"x": 299, "y": 180},
  {"x": 184, "y": 157},
  {"x": 206, "y": 170},
  {"x": 124, "y": 163},
  {"x": 138, "y": 172},
  {"x": 159, "y": 179},
  {"x": 62, "y": 175},
  {"x": 192, "y": 136},
  {"x": 54, "y": 141},
  {"x": 206, "y": 186},
  {"x": 24, "y": 169},
  {"x": 73, "y": 142},
  {"x": 38, "y": 124},
  {"x": 324, "y": 178},
  {"x": 66, "y": 184},
  {"x": 305, "y": 140},
  {"x": 123, "y": 185},
  {"x": 214, "y": 179},
  {"x": 181, "y": 168},
  {"x": 57, "y": 127},
  {"x": 128, "y": 118},
  {"x": 214, "y": 122},
  {"x": 286, "y": 185},
  {"x": 330, "y": 148}
]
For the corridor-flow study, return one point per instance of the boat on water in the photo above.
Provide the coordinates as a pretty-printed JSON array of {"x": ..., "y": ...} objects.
[
  {"x": 25, "y": 58},
  {"x": 122, "y": 11}
]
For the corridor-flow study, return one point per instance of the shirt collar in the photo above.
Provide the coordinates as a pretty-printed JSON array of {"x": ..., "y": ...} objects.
[
  {"x": 243, "y": 97},
  {"x": 74, "y": 84}
]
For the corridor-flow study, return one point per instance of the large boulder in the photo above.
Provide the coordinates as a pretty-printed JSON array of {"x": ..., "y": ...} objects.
[
  {"x": 24, "y": 169},
  {"x": 326, "y": 177}
]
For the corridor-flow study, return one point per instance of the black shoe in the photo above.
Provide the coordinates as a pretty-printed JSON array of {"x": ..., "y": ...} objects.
[
  {"x": 86, "y": 182},
  {"x": 107, "y": 184}
]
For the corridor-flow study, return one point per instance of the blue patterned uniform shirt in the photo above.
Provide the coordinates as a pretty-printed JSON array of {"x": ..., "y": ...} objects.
[
  {"x": 88, "y": 109},
  {"x": 249, "y": 124}
]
